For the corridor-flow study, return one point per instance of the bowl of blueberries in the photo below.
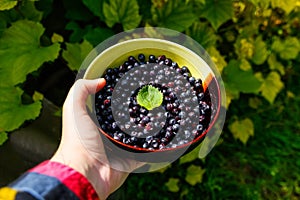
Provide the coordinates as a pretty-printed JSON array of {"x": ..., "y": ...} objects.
[{"x": 160, "y": 99}]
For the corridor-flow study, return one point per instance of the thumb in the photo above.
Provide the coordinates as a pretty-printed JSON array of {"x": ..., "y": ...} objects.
[{"x": 81, "y": 89}]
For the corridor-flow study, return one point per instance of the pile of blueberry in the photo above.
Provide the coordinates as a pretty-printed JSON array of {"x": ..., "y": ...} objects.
[{"x": 176, "y": 122}]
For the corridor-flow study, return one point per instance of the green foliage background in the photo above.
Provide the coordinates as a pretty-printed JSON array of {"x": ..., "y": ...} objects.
[{"x": 255, "y": 45}]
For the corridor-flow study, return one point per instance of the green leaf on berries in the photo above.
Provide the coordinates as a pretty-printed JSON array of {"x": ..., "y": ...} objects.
[
  {"x": 271, "y": 86},
  {"x": 288, "y": 48},
  {"x": 274, "y": 64},
  {"x": 21, "y": 52},
  {"x": 217, "y": 12},
  {"x": 176, "y": 15},
  {"x": 238, "y": 80},
  {"x": 3, "y": 137},
  {"x": 260, "y": 53},
  {"x": 125, "y": 12},
  {"x": 287, "y": 6},
  {"x": 76, "y": 53},
  {"x": 242, "y": 129},
  {"x": 194, "y": 174},
  {"x": 12, "y": 112},
  {"x": 7, "y": 4},
  {"x": 149, "y": 97},
  {"x": 172, "y": 184}
]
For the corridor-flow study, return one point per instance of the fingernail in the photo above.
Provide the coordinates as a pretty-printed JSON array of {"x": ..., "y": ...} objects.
[{"x": 101, "y": 84}]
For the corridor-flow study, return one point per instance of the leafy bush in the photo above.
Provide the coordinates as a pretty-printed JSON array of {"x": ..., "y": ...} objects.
[{"x": 255, "y": 45}]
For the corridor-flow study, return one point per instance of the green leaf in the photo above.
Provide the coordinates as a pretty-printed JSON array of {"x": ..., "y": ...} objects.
[
  {"x": 97, "y": 35},
  {"x": 172, "y": 184},
  {"x": 76, "y": 53},
  {"x": 7, "y": 4},
  {"x": 37, "y": 96},
  {"x": 21, "y": 52},
  {"x": 75, "y": 10},
  {"x": 149, "y": 97},
  {"x": 12, "y": 112},
  {"x": 203, "y": 34},
  {"x": 242, "y": 129},
  {"x": 125, "y": 12},
  {"x": 275, "y": 65},
  {"x": 96, "y": 7},
  {"x": 191, "y": 156},
  {"x": 217, "y": 12},
  {"x": 78, "y": 32},
  {"x": 255, "y": 102},
  {"x": 217, "y": 58},
  {"x": 194, "y": 174},
  {"x": 57, "y": 38},
  {"x": 175, "y": 14},
  {"x": 260, "y": 51},
  {"x": 287, "y": 6},
  {"x": 46, "y": 6},
  {"x": 3, "y": 137},
  {"x": 238, "y": 80},
  {"x": 245, "y": 65},
  {"x": 244, "y": 48},
  {"x": 271, "y": 86},
  {"x": 288, "y": 48},
  {"x": 261, "y": 3},
  {"x": 30, "y": 12}
]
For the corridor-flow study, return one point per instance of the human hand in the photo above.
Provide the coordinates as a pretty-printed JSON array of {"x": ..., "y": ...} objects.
[{"x": 81, "y": 146}]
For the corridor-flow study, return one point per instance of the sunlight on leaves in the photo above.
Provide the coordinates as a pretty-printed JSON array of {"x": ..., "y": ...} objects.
[
  {"x": 274, "y": 64},
  {"x": 12, "y": 112},
  {"x": 125, "y": 12},
  {"x": 19, "y": 47},
  {"x": 7, "y": 4},
  {"x": 57, "y": 38},
  {"x": 260, "y": 51},
  {"x": 194, "y": 174},
  {"x": 287, "y": 6},
  {"x": 271, "y": 86},
  {"x": 76, "y": 53},
  {"x": 217, "y": 58},
  {"x": 242, "y": 129},
  {"x": 176, "y": 15},
  {"x": 172, "y": 184},
  {"x": 287, "y": 48}
]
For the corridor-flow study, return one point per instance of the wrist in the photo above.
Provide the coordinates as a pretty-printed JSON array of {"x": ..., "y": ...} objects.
[{"x": 90, "y": 168}]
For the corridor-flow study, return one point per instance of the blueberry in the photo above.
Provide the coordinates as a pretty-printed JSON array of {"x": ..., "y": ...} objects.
[
  {"x": 141, "y": 57},
  {"x": 175, "y": 113},
  {"x": 152, "y": 59}
]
